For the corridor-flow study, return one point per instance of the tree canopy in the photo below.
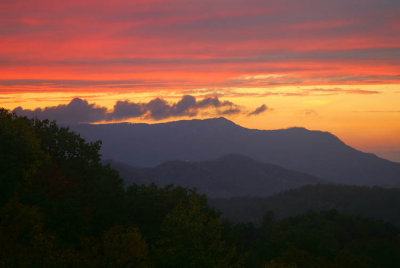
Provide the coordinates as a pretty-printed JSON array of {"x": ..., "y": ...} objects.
[{"x": 60, "y": 206}]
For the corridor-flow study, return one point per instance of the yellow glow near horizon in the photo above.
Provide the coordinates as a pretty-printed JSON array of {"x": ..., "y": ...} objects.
[{"x": 360, "y": 120}]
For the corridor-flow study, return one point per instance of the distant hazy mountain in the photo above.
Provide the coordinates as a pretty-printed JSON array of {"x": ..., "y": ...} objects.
[
  {"x": 231, "y": 175},
  {"x": 370, "y": 202},
  {"x": 314, "y": 152}
]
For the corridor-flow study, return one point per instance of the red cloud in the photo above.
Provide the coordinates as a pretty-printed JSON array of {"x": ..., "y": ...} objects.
[{"x": 197, "y": 44}]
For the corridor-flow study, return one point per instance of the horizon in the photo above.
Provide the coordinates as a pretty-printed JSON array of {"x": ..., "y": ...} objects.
[
  {"x": 331, "y": 66},
  {"x": 393, "y": 156},
  {"x": 296, "y": 199}
]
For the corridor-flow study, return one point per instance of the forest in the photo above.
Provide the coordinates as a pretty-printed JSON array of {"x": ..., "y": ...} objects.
[
  {"x": 61, "y": 206},
  {"x": 365, "y": 201}
]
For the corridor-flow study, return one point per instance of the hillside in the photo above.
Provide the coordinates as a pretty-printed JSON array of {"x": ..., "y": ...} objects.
[
  {"x": 61, "y": 207},
  {"x": 228, "y": 176},
  {"x": 317, "y": 153},
  {"x": 370, "y": 202}
]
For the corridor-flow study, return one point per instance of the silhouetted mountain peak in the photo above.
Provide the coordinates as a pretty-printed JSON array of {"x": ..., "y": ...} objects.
[
  {"x": 209, "y": 123},
  {"x": 299, "y": 129},
  {"x": 314, "y": 152},
  {"x": 221, "y": 120}
]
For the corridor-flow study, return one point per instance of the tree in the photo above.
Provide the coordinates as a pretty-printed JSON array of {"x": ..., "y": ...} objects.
[
  {"x": 124, "y": 247},
  {"x": 23, "y": 241},
  {"x": 20, "y": 154},
  {"x": 191, "y": 236}
]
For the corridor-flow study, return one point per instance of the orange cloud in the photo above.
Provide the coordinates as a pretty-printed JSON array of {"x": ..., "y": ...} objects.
[{"x": 198, "y": 44}]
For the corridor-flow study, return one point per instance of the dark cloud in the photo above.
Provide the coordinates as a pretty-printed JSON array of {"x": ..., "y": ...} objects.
[
  {"x": 80, "y": 111},
  {"x": 158, "y": 109},
  {"x": 184, "y": 106},
  {"x": 259, "y": 110},
  {"x": 262, "y": 56},
  {"x": 76, "y": 111},
  {"x": 231, "y": 111},
  {"x": 126, "y": 109}
]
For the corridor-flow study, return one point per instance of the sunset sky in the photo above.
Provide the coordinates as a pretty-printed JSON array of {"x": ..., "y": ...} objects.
[{"x": 321, "y": 64}]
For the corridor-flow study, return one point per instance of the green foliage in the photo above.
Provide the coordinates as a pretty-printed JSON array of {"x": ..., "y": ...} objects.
[
  {"x": 63, "y": 144},
  {"x": 191, "y": 236},
  {"x": 323, "y": 239},
  {"x": 124, "y": 247},
  {"x": 369, "y": 202},
  {"x": 21, "y": 230},
  {"x": 147, "y": 206},
  {"x": 60, "y": 207},
  {"x": 20, "y": 154}
]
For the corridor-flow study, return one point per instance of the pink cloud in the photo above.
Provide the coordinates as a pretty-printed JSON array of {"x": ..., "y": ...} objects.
[{"x": 209, "y": 41}]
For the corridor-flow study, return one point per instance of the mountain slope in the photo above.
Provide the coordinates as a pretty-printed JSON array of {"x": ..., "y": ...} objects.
[
  {"x": 228, "y": 176},
  {"x": 314, "y": 152},
  {"x": 371, "y": 202}
]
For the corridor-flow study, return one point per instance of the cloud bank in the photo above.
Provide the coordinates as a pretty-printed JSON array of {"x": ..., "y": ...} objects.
[
  {"x": 76, "y": 111},
  {"x": 212, "y": 42},
  {"x": 81, "y": 111}
]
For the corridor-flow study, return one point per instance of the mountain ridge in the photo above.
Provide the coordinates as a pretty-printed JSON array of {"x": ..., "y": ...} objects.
[
  {"x": 228, "y": 176},
  {"x": 363, "y": 201},
  {"x": 317, "y": 153}
]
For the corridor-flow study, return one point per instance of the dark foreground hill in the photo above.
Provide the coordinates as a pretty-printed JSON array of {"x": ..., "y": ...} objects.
[
  {"x": 60, "y": 207},
  {"x": 228, "y": 176},
  {"x": 370, "y": 202},
  {"x": 314, "y": 152}
]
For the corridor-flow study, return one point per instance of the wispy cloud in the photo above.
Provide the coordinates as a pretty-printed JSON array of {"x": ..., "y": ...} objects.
[
  {"x": 309, "y": 112},
  {"x": 346, "y": 91},
  {"x": 277, "y": 92},
  {"x": 263, "y": 108},
  {"x": 381, "y": 111}
]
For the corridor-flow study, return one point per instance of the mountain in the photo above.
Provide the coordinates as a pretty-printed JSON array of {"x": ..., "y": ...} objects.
[
  {"x": 370, "y": 202},
  {"x": 314, "y": 152},
  {"x": 129, "y": 173},
  {"x": 228, "y": 176}
]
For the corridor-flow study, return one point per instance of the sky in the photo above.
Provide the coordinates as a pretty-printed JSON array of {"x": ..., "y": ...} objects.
[{"x": 320, "y": 64}]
